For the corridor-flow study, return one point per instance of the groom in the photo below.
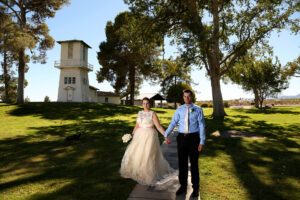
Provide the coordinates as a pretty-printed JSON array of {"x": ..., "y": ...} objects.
[{"x": 189, "y": 141}]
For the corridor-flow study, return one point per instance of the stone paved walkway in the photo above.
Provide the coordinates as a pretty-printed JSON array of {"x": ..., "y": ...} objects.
[{"x": 168, "y": 190}]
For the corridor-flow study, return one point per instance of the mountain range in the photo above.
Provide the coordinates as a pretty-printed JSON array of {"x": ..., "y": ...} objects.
[{"x": 290, "y": 97}]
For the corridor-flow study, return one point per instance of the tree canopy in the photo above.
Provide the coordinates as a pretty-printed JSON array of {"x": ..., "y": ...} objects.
[
  {"x": 175, "y": 93},
  {"x": 128, "y": 54},
  {"x": 260, "y": 76},
  {"x": 33, "y": 33},
  {"x": 215, "y": 34},
  {"x": 171, "y": 71},
  {"x": 293, "y": 67}
]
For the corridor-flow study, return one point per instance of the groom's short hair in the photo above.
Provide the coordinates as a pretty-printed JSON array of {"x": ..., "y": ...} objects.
[{"x": 188, "y": 91}]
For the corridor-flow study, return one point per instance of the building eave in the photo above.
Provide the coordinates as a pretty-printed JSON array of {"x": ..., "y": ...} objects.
[{"x": 67, "y": 41}]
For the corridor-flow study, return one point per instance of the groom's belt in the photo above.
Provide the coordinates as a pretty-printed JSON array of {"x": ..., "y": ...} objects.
[{"x": 188, "y": 134}]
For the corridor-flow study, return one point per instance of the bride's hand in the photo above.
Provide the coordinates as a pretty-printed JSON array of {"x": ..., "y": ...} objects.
[{"x": 167, "y": 141}]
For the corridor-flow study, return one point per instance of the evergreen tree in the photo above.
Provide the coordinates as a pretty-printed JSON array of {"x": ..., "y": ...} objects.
[
  {"x": 29, "y": 17},
  {"x": 127, "y": 54},
  {"x": 175, "y": 93}
]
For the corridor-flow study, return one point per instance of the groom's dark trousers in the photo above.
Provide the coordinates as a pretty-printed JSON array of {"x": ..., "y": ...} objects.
[{"x": 187, "y": 147}]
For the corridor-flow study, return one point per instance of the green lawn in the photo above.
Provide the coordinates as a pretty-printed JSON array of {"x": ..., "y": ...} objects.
[{"x": 36, "y": 163}]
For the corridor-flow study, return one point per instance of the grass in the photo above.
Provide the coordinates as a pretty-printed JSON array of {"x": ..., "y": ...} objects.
[
  {"x": 253, "y": 169},
  {"x": 36, "y": 163}
]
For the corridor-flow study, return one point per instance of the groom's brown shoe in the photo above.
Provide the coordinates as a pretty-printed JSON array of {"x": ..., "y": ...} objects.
[{"x": 181, "y": 190}]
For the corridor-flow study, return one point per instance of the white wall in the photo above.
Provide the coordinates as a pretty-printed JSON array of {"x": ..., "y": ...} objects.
[
  {"x": 84, "y": 80},
  {"x": 114, "y": 100},
  {"x": 77, "y": 51},
  {"x": 93, "y": 95},
  {"x": 81, "y": 92},
  {"x": 72, "y": 68}
]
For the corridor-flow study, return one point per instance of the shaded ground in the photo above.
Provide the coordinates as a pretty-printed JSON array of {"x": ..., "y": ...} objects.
[
  {"x": 37, "y": 164},
  {"x": 243, "y": 168},
  {"x": 237, "y": 134}
]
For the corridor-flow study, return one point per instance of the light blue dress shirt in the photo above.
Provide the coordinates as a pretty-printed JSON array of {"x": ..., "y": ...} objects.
[{"x": 196, "y": 121}]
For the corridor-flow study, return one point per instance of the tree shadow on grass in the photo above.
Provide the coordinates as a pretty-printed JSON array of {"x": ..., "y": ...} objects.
[
  {"x": 267, "y": 111},
  {"x": 73, "y": 111},
  {"x": 5, "y": 104},
  {"x": 277, "y": 156},
  {"x": 85, "y": 169}
]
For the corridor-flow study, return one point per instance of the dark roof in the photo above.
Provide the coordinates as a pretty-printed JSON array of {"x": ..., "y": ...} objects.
[
  {"x": 151, "y": 96},
  {"x": 110, "y": 94},
  {"x": 65, "y": 41},
  {"x": 93, "y": 88},
  {"x": 157, "y": 97}
]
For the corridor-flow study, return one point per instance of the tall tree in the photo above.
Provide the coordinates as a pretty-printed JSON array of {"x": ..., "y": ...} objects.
[
  {"x": 127, "y": 54},
  {"x": 293, "y": 68},
  {"x": 169, "y": 72},
  {"x": 125, "y": 92},
  {"x": 215, "y": 34},
  {"x": 8, "y": 40},
  {"x": 261, "y": 76},
  {"x": 30, "y": 19},
  {"x": 174, "y": 93}
]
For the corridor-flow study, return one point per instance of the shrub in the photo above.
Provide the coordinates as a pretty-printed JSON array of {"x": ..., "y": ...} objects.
[
  {"x": 47, "y": 99},
  {"x": 226, "y": 104},
  {"x": 175, "y": 93},
  {"x": 204, "y": 105}
]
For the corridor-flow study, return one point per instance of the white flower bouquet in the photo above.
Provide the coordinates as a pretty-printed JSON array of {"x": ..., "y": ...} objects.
[{"x": 126, "y": 138}]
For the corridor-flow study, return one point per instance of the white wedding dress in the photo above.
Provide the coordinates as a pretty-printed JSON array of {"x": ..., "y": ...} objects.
[{"x": 143, "y": 160}]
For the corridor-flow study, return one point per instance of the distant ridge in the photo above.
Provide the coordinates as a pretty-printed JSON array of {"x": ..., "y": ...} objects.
[{"x": 290, "y": 97}]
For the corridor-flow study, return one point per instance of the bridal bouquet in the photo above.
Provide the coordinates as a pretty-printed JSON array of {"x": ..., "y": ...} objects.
[{"x": 126, "y": 137}]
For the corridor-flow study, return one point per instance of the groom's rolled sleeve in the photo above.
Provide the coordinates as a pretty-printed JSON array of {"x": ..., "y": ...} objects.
[
  {"x": 201, "y": 121},
  {"x": 173, "y": 123}
]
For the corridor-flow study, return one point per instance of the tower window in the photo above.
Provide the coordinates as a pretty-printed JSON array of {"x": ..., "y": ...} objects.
[
  {"x": 69, "y": 80},
  {"x": 83, "y": 53},
  {"x": 70, "y": 50}
]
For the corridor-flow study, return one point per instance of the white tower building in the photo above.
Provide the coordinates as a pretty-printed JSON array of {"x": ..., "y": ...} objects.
[{"x": 74, "y": 69}]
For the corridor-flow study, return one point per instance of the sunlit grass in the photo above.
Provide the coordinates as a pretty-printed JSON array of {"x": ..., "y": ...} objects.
[
  {"x": 37, "y": 164},
  {"x": 253, "y": 169}
]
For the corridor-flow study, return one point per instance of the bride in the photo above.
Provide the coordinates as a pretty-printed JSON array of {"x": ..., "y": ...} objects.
[{"x": 143, "y": 160}]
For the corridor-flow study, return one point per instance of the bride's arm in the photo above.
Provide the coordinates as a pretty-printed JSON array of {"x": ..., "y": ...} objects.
[
  {"x": 136, "y": 127},
  {"x": 157, "y": 124}
]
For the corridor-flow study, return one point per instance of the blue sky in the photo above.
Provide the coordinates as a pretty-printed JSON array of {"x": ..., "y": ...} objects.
[{"x": 86, "y": 20}]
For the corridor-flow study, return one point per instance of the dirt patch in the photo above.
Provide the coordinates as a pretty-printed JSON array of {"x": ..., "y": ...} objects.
[{"x": 237, "y": 134}]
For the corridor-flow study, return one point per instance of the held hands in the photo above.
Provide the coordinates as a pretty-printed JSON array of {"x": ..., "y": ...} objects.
[
  {"x": 200, "y": 147},
  {"x": 167, "y": 141}
]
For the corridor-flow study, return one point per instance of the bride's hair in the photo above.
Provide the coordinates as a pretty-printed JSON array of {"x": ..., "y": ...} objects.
[{"x": 147, "y": 99}]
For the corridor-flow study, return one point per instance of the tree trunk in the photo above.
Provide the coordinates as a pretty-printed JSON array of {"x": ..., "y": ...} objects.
[
  {"x": 132, "y": 84},
  {"x": 21, "y": 68},
  {"x": 217, "y": 97},
  {"x": 256, "y": 101},
  {"x": 5, "y": 73},
  {"x": 260, "y": 98},
  {"x": 214, "y": 65},
  {"x": 261, "y": 103},
  {"x": 21, "y": 72},
  {"x": 175, "y": 103}
]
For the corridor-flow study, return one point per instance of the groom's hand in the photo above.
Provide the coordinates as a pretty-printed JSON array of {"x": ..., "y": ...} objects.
[
  {"x": 167, "y": 141},
  {"x": 200, "y": 147}
]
